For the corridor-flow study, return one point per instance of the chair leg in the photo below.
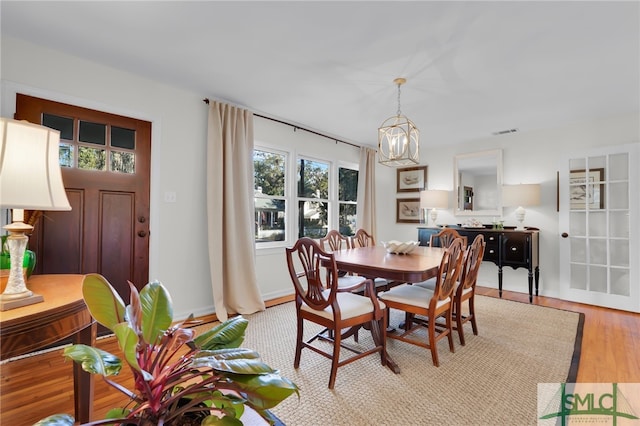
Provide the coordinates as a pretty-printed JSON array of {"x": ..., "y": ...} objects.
[
  {"x": 336, "y": 358},
  {"x": 449, "y": 330},
  {"x": 296, "y": 360},
  {"x": 458, "y": 315},
  {"x": 382, "y": 327},
  {"x": 432, "y": 343},
  {"x": 472, "y": 315}
]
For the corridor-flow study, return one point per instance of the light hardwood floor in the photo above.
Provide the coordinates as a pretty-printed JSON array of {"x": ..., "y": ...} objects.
[{"x": 35, "y": 387}]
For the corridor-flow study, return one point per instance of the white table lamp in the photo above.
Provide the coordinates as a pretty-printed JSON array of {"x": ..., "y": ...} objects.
[
  {"x": 434, "y": 199},
  {"x": 30, "y": 178},
  {"x": 520, "y": 196}
]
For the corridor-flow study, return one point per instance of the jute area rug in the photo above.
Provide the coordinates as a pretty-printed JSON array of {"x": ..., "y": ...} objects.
[{"x": 492, "y": 380}]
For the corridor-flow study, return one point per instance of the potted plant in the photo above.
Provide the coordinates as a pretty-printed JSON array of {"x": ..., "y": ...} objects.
[{"x": 180, "y": 379}]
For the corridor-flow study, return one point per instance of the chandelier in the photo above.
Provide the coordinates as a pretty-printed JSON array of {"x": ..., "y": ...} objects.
[{"x": 398, "y": 138}]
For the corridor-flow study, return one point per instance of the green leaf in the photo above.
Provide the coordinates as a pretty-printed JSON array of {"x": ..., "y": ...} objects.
[
  {"x": 224, "y": 421},
  {"x": 229, "y": 334},
  {"x": 56, "y": 420},
  {"x": 104, "y": 303},
  {"x": 117, "y": 413},
  {"x": 128, "y": 341},
  {"x": 157, "y": 311},
  {"x": 94, "y": 360},
  {"x": 265, "y": 391},
  {"x": 235, "y": 366}
]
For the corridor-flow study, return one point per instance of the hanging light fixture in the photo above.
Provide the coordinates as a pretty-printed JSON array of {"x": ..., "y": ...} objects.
[{"x": 398, "y": 138}]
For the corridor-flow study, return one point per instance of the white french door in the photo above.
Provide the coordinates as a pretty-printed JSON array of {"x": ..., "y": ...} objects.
[{"x": 598, "y": 224}]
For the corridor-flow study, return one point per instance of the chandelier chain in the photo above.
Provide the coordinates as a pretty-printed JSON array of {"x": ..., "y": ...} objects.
[{"x": 398, "y": 113}]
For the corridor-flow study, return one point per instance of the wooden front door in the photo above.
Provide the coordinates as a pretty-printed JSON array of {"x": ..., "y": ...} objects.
[{"x": 105, "y": 161}]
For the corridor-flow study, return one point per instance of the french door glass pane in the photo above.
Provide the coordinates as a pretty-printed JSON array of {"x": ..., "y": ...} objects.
[
  {"x": 620, "y": 282},
  {"x": 619, "y": 195},
  {"x": 619, "y": 252},
  {"x": 618, "y": 167},
  {"x": 619, "y": 224},
  {"x": 578, "y": 276},
  {"x": 597, "y": 251},
  {"x": 598, "y": 279}
]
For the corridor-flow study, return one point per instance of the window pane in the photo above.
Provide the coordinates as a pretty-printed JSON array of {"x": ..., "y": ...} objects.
[
  {"x": 347, "y": 184},
  {"x": 91, "y": 159},
  {"x": 268, "y": 173},
  {"x": 65, "y": 155},
  {"x": 63, "y": 124},
  {"x": 124, "y": 162},
  {"x": 313, "y": 179},
  {"x": 92, "y": 132},
  {"x": 314, "y": 219},
  {"x": 270, "y": 219},
  {"x": 123, "y": 138},
  {"x": 347, "y": 219}
]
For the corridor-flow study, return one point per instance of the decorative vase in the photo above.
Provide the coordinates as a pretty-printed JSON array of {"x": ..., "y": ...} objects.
[{"x": 28, "y": 264}]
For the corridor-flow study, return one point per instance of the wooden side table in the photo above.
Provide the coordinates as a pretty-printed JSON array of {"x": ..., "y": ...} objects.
[{"x": 63, "y": 314}]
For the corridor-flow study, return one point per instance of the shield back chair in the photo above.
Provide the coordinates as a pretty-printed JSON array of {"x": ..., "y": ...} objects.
[
  {"x": 363, "y": 239},
  {"x": 315, "y": 278},
  {"x": 467, "y": 287},
  {"x": 335, "y": 241},
  {"x": 432, "y": 304},
  {"x": 445, "y": 237}
]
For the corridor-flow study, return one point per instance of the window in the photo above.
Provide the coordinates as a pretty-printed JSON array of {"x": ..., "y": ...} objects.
[
  {"x": 297, "y": 196},
  {"x": 313, "y": 198},
  {"x": 347, "y": 200},
  {"x": 269, "y": 172}
]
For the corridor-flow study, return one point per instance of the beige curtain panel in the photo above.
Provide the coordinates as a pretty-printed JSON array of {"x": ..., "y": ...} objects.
[
  {"x": 230, "y": 213},
  {"x": 366, "y": 210}
]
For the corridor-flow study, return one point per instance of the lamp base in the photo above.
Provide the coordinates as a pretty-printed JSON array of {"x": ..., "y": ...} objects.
[{"x": 8, "y": 304}]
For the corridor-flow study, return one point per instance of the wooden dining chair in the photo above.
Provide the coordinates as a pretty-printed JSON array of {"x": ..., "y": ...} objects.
[
  {"x": 432, "y": 304},
  {"x": 445, "y": 237},
  {"x": 465, "y": 288},
  {"x": 335, "y": 241},
  {"x": 318, "y": 300}
]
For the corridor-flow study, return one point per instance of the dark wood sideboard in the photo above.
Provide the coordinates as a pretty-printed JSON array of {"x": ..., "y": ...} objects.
[{"x": 505, "y": 247}]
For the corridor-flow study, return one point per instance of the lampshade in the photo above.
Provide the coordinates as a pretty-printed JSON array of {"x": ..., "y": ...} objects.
[
  {"x": 30, "y": 178},
  {"x": 434, "y": 198},
  {"x": 520, "y": 195},
  {"x": 398, "y": 138}
]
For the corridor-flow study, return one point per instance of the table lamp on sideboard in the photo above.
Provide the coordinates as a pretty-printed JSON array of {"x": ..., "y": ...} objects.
[
  {"x": 30, "y": 179},
  {"x": 520, "y": 195},
  {"x": 434, "y": 199}
]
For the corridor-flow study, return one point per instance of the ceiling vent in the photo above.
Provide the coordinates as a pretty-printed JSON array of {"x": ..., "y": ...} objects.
[{"x": 505, "y": 132}]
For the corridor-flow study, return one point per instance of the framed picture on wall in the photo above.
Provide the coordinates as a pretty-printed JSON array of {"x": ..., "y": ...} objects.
[
  {"x": 408, "y": 210},
  {"x": 412, "y": 179},
  {"x": 584, "y": 189}
]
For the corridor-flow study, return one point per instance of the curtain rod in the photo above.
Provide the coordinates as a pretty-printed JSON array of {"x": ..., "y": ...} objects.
[{"x": 295, "y": 127}]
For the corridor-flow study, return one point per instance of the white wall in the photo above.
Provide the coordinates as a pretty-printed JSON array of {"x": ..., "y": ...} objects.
[{"x": 178, "y": 240}]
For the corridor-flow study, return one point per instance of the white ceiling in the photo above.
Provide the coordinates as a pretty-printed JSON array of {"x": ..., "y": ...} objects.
[{"x": 473, "y": 68}]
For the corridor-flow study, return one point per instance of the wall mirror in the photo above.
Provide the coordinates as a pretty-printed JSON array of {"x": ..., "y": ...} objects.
[{"x": 478, "y": 183}]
